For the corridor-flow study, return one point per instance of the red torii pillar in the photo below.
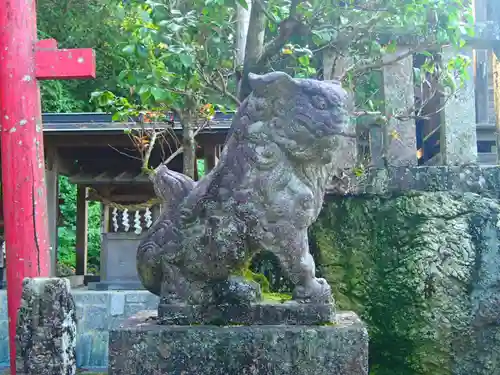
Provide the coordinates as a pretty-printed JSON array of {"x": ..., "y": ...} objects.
[{"x": 24, "y": 60}]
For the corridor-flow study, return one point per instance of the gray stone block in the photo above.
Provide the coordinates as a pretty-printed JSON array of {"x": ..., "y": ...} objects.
[
  {"x": 87, "y": 298},
  {"x": 96, "y": 317},
  {"x": 117, "y": 304},
  {"x": 291, "y": 313},
  {"x": 46, "y": 328},
  {"x": 143, "y": 347},
  {"x": 115, "y": 285},
  {"x": 474, "y": 179},
  {"x": 431, "y": 178},
  {"x": 133, "y": 308},
  {"x": 92, "y": 349},
  {"x": 4, "y": 343},
  {"x": 99, "y": 350},
  {"x": 3, "y": 305},
  {"x": 141, "y": 296}
]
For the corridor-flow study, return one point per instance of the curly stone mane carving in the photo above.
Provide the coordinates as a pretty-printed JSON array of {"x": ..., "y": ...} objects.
[{"x": 264, "y": 193}]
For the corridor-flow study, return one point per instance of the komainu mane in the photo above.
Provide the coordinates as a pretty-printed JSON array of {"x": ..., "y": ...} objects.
[{"x": 264, "y": 193}]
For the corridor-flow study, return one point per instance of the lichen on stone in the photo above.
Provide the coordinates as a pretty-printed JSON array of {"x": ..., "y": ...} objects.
[{"x": 421, "y": 270}]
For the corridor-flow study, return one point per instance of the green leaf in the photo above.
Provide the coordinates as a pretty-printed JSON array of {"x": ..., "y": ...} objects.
[
  {"x": 391, "y": 47},
  {"x": 160, "y": 94},
  {"x": 142, "y": 51},
  {"x": 243, "y": 4},
  {"x": 129, "y": 49},
  {"x": 174, "y": 27},
  {"x": 145, "y": 96},
  {"x": 186, "y": 60},
  {"x": 304, "y": 60}
]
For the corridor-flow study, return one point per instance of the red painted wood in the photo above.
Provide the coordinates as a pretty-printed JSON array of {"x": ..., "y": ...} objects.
[
  {"x": 24, "y": 198},
  {"x": 23, "y": 162},
  {"x": 65, "y": 63},
  {"x": 46, "y": 44}
]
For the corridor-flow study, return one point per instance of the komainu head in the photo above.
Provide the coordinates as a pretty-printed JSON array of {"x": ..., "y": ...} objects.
[{"x": 304, "y": 117}]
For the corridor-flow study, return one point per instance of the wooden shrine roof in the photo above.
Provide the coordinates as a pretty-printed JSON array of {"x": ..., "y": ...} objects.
[
  {"x": 102, "y": 122},
  {"x": 109, "y": 178}
]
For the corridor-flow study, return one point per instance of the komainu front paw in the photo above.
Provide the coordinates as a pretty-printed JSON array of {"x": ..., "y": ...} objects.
[{"x": 315, "y": 291}]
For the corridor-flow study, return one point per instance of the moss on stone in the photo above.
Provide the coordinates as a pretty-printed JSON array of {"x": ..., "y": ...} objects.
[
  {"x": 406, "y": 264},
  {"x": 259, "y": 278},
  {"x": 276, "y": 297}
]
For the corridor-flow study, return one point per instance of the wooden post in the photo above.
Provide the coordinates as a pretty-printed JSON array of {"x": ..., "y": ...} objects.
[
  {"x": 52, "y": 185},
  {"x": 23, "y": 60},
  {"x": 81, "y": 230},
  {"x": 210, "y": 154}
]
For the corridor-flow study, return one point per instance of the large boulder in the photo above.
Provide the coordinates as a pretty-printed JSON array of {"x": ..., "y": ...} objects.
[{"x": 422, "y": 269}]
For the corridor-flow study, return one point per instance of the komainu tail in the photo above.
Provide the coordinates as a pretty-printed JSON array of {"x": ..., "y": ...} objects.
[{"x": 172, "y": 188}]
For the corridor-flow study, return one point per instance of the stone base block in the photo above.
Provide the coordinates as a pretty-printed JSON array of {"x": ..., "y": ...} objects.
[
  {"x": 115, "y": 285},
  {"x": 262, "y": 313},
  {"x": 46, "y": 328},
  {"x": 141, "y": 346}
]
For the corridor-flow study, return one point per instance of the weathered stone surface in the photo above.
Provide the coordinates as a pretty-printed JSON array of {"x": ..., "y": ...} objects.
[
  {"x": 458, "y": 141},
  {"x": 483, "y": 180},
  {"x": 46, "y": 328},
  {"x": 96, "y": 314},
  {"x": 399, "y": 142},
  {"x": 421, "y": 268},
  {"x": 264, "y": 313},
  {"x": 146, "y": 348},
  {"x": 264, "y": 193}
]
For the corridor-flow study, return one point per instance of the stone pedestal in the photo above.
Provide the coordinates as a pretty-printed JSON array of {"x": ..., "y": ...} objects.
[
  {"x": 142, "y": 346},
  {"x": 46, "y": 328},
  {"x": 118, "y": 263}
]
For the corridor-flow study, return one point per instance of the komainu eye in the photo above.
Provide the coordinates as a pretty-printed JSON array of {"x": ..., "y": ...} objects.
[{"x": 319, "y": 102}]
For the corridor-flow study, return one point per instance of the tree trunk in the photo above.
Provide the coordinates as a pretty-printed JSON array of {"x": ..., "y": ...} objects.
[
  {"x": 254, "y": 48},
  {"x": 189, "y": 148},
  {"x": 243, "y": 20}
]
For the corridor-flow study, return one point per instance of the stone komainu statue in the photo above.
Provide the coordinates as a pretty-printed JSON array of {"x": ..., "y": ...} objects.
[{"x": 264, "y": 193}]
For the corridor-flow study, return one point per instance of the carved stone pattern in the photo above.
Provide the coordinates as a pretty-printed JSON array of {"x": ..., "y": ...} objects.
[{"x": 264, "y": 193}]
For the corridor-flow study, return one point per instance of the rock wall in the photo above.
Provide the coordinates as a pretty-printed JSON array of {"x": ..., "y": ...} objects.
[{"x": 421, "y": 266}]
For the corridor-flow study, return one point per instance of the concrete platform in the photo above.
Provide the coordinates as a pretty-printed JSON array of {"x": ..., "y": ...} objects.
[{"x": 142, "y": 346}]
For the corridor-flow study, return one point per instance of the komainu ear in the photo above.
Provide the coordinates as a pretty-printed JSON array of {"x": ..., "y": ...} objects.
[{"x": 275, "y": 82}]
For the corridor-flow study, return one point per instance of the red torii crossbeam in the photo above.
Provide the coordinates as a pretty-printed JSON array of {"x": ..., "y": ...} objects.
[{"x": 23, "y": 61}]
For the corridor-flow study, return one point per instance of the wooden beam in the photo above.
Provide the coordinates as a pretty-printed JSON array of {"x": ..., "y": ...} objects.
[
  {"x": 52, "y": 186},
  {"x": 53, "y": 63},
  {"x": 210, "y": 151},
  {"x": 81, "y": 230}
]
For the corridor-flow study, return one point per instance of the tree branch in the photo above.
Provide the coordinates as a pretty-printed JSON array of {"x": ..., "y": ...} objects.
[
  {"x": 149, "y": 150},
  {"x": 287, "y": 28},
  {"x": 268, "y": 15},
  {"x": 381, "y": 64},
  {"x": 211, "y": 84},
  {"x": 180, "y": 150}
]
